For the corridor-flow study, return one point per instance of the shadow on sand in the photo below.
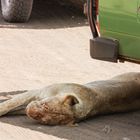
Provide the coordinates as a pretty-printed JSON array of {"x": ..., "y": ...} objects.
[
  {"x": 104, "y": 127},
  {"x": 48, "y": 14}
]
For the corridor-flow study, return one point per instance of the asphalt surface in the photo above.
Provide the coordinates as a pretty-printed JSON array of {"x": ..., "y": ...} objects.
[{"x": 53, "y": 47}]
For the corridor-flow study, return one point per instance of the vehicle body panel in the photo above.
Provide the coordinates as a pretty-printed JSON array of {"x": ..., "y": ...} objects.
[{"x": 121, "y": 20}]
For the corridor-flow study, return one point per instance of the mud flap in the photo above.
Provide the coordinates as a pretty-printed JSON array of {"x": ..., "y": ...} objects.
[
  {"x": 104, "y": 49},
  {"x": 101, "y": 48}
]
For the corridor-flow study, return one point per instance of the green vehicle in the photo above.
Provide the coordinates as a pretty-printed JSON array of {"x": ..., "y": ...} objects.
[{"x": 115, "y": 26}]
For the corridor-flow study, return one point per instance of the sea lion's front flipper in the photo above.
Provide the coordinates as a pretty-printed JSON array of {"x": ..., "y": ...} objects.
[{"x": 16, "y": 101}]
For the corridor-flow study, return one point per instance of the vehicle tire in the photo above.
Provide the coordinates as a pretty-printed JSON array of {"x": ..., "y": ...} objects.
[{"x": 16, "y": 10}]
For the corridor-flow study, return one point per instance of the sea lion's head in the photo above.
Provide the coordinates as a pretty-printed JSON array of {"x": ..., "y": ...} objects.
[
  {"x": 72, "y": 103},
  {"x": 54, "y": 110}
]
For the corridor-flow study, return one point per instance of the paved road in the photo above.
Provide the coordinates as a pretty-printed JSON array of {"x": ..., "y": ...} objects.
[{"x": 54, "y": 47}]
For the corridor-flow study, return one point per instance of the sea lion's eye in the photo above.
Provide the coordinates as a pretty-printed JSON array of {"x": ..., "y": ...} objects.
[
  {"x": 74, "y": 102},
  {"x": 70, "y": 100}
]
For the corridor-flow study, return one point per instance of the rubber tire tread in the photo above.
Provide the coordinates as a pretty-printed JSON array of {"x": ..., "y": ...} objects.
[{"x": 16, "y": 10}]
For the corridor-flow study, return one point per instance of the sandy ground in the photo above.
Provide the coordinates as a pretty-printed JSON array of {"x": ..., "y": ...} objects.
[{"x": 54, "y": 47}]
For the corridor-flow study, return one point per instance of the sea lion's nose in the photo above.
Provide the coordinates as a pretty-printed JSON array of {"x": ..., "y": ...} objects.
[{"x": 34, "y": 111}]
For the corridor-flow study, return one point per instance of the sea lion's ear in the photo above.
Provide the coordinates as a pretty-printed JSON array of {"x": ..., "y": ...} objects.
[{"x": 70, "y": 100}]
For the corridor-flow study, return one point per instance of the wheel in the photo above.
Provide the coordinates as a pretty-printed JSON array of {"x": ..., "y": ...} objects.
[{"x": 16, "y": 10}]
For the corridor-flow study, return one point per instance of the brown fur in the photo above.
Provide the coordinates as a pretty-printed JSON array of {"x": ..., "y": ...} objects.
[
  {"x": 69, "y": 103},
  {"x": 51, "y": 112}
]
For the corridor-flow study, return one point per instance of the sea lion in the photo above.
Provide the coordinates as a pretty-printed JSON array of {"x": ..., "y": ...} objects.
[{"x": 69, "y": 103}]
